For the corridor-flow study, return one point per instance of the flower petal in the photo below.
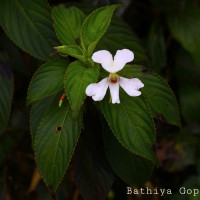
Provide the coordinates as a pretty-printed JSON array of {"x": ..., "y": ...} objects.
[
  {"x": 104, "y": 58},
  {"x": 114, "y": 92},
  {"x": 97, "y": 90},
  {"x": 131, "y": 86},
  {"x": 121, "y": 58}
]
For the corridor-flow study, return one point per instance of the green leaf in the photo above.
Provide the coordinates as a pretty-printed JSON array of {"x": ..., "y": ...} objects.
[
  {"x": 72, "y": 50},
  {"x": 189, "y": 69},
  {"x": 156, "y": 46},
  {"x": 94, "y": 27},
  {"x": 131, "y": 124},
  {"x": 189, "y": 95},
  {"x": 16, "y": 58},
  {"x": 68, "y": 22},
  {"x": 47, "y": 80},
  {"x": 92, "y": 179},
  {"x": 37, "y": 111},
  {"x": 162, "y": 100},
  {"x": 189, "y": 103},
  {"x": 130, "y": 168},
  {"x": 185, "y": 27},
  {"x": 6, "y": 88},
  {"x": 77, "y": 78},
  {"x": 120, "y": 36},
  {"x": 28, "y": 24},
  {"x": 160, "y": 97},
  {"x": 55, "y": 141}
]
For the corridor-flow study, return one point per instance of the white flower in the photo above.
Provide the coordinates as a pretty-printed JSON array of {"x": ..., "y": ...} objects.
[{"x": 131, "y": 86}]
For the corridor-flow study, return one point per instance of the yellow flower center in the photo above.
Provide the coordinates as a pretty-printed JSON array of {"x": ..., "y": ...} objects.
[{"x": 113, "y": 78}]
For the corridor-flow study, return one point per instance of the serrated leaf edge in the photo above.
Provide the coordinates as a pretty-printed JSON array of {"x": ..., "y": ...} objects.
[
  {"x": 119, "y": 175},
  {"x": 65, "y": 89},
  {"x": 81, "y": 38},
  {"x": 45, "y": 181},
  {"x": 174, "y": 97},
  {"x": 24, "y": 49},
  {"x": 121, "y": 142},
  {"x": 42, "y": 97},
  {"x": 165, "y": 83},
  {"x": 79, "y": 57},
  {"x": 69, "y": 26},
  {"x": 30, "y": 118}
]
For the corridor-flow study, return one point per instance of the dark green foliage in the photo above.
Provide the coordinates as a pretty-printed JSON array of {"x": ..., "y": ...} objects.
[
  {"x": 6, "y": 88},
  {"x": 29, "y": 25},
  {"x": 92, "y": 147}
]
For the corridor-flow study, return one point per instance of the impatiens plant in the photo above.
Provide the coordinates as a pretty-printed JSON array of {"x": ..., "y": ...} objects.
[{"x": 112, "y": 136}]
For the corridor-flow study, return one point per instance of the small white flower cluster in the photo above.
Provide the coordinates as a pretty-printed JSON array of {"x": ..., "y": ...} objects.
[{"x": 131, "y": 86}]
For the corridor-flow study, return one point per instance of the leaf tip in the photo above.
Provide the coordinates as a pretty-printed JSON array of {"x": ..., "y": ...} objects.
[{"x": 57, "y": 48}]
